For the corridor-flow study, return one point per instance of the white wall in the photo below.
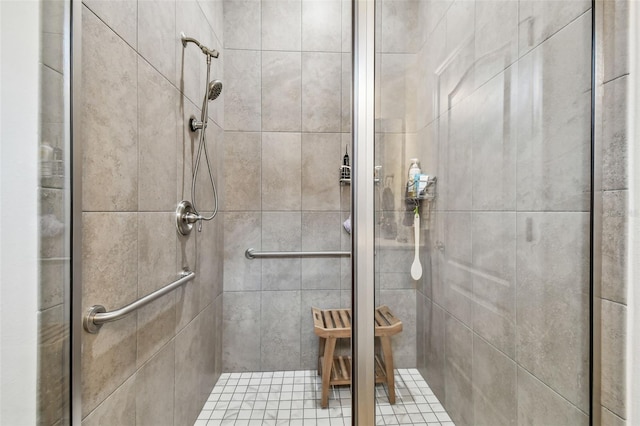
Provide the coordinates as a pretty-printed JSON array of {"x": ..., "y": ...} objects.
[
  {"x": 633, "y": 319},
  {"x": 19, "y": 56}
]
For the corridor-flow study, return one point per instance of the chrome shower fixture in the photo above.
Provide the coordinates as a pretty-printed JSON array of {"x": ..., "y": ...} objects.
[
  {"x": 209, "y": 52},
  {"x": 187, "y": 213},
  {"x": 214, "y": 89}
]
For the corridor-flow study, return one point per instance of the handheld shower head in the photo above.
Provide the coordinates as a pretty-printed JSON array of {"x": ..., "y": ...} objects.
[{"x": 214, "y": 89}]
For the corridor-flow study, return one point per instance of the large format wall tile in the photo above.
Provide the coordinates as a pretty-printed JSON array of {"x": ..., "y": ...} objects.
[
  {"x": 540, "y": 20},
  {"x": 320, "y": 154},
  {"x": 119, "y": 15},
  {"x": 52, "y": 379},
  {"x": 281, "y": 166},
  {"x": 109, "y": 260},
  {"x": 51, "y": 274},
  {"x": 110, "y": 279},
  {"x": 110, "y": 128},
  {"x": 552, "y": 288},
  {"x": 242, "y": 90},
  {"x": 459, "y": 372},
  {"x": 496, "y": 40},
  {"x": 321, "y": 25},
  {"x": 614, "y": 245},
  {"x": 156, "y": 268},
  {"x": 157, "y": 35},
  {"x": 242, "y": 231},
  {"x": 458, "y": 143},
  {"x": 610, "y": 419},
  {"x": 155, "y": 388},
  {"x": 554, "y": 122},
  {"x": 242, "y": 24},
  {"x": 119, "y": 408},
  {"x": 403, "y": 305},
  {"x": 434, "y": 338},
  {"x": 494, "y": 289},
  {"x": 494, "y": 385},
  {"x": 428, "y": 61},
  {"x": 281, "y": 231},
  {"x": 242, "y": 171},
  {"x": 157, "y": 131},
  {"x": 280, "y": 331},
  {"x": 187, "y": 303},
  {"x": 456, "y": 267},
  {"x": 108, "y": 361},
  {"x": 396, "y": 93},
  {"x": 241, "y": 331},
  {"x": 52, "y": 227},
  {"x": 613, "y": 346},
  {"x": 540, "y": 405},
  {"x": 187, "y": 396},
  {"x": 614, "y": 135},
  {"x": 400, "y": 24},
  {"x": 281, "y": 91},
  {"x": 321, "y": 94},
  {"x": 347, "y": 92},
  {"x": 494, "y": 143},
  {"x": 210, "y": 260},
  {"x": 615, "y": 39},
  {"x": 51, "y": 104},
  {"x": 281, "y": 25},
  {"x": 186, "y": 148}
]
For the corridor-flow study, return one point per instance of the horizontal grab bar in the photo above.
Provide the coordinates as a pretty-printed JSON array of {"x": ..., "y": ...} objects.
[
  {"x": 98, "y": 315},
  {"x": 253, "y": 254}
]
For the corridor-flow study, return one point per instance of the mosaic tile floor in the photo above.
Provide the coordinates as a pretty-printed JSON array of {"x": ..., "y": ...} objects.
[{"x": 293, "y": 398}]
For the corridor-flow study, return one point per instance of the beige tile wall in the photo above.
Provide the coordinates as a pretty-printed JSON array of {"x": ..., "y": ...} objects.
[
  {"x": 139, "y": 88},
  {"x": 614, "y": 197},
  {"x": 287, "y": 87}
]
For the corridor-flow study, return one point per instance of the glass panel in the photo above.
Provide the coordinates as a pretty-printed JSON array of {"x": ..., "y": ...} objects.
[
  {"x": 55, "y": 255},
  {"x": 493, "y": 99}
]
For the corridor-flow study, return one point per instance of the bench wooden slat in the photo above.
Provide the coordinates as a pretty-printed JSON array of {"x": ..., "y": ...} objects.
[
  {"x": 328, "y": 322},
  {"x": 335, "y": 316},
  {"x": 345, "y": 318}
]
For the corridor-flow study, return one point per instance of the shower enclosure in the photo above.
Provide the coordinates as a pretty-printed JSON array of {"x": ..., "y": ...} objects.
[{"x": 494, "y": 98}]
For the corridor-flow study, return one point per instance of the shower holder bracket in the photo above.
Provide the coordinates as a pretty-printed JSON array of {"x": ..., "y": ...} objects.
[
  {"x": 186, "y": 216},
  {"x": 195, "y": 125}
]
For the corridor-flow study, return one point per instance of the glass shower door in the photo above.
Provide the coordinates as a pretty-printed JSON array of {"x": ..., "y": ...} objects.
[{"x": 494, "y": 100}]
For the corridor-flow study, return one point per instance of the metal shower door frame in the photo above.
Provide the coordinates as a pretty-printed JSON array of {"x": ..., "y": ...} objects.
[{"x": 362, "y": 207}]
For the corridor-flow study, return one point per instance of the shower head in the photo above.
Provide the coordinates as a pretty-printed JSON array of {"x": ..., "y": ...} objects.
[{"x": 214, "y": 90}]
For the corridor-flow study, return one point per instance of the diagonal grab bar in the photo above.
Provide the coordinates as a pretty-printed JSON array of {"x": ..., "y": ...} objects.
[{"x": 98, "y": 315}]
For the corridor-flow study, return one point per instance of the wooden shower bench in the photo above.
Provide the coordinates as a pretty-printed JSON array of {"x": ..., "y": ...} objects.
[{"x": 333, "y": 324}]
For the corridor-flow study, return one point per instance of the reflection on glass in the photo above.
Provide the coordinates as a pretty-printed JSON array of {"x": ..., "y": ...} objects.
[
  {"x": 493, "y": 99},
  {"x": 53, "y": 337}
]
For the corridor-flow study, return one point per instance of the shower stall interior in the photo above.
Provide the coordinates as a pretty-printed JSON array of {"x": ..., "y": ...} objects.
[{"x": 494, "y": 99}]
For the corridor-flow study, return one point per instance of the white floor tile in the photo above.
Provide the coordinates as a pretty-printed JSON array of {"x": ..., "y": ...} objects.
[{"x": 292, "y": 398}]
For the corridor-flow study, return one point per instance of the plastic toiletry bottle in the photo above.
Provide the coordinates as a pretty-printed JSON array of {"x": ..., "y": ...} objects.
[
  {"x": 414, "y": 169},
  {"x": 346, "y": 171}
]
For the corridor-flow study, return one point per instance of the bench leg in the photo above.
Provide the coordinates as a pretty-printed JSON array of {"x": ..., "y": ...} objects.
[
  {"x": 388, "y": 363},
  {"x": 321, "y": 341},
  {"x": 329, "y": 347}
]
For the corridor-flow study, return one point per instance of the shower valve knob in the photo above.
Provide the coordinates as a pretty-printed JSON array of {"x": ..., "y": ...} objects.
[{"x": 186, "y": 216}]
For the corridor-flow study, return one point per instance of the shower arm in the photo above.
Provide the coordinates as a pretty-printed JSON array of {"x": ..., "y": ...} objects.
[{"x": 209, "y": 52}]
